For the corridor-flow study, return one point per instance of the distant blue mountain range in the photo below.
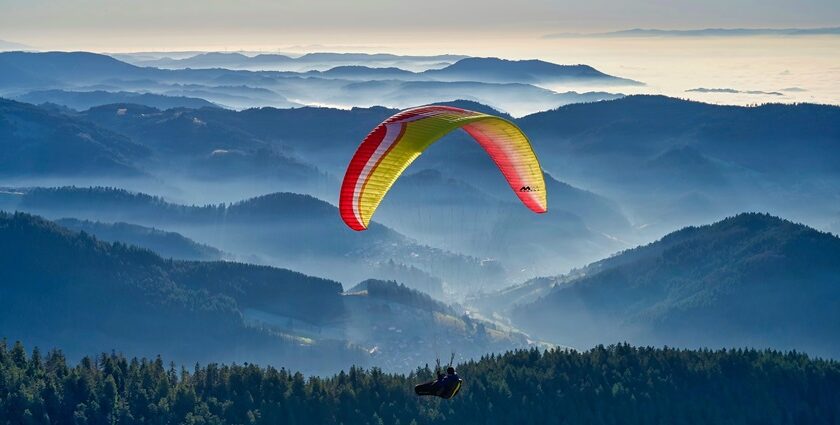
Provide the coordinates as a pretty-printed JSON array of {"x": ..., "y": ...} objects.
[
  {"x": 733, "y": 91},
  {"x": 309, "y": 61},
  {"x": 86, "y": 66},
  {"x": 81, "y": 100},
  {"x": 491, "y": 70},
  {"x": 508, "y": 85},
  {"x": 522, "y": 71},
  {"x": 707, "y": 32}
]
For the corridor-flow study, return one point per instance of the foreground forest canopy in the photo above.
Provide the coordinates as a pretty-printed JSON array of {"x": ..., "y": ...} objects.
[{"x": 606, "y": 385}]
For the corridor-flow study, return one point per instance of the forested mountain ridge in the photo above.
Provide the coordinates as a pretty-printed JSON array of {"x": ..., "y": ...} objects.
[
  {"x": 399, "y": 293},
  {"x": 63, "y": 287},
  {"x": 403, "y": 327},
  {"x": 640, "y": 128},
  {"x": 166, "y": 244},
  {"x": 751, "y": 279},
  {"x": 40, "y": 69},
  {"x": 81, "y": 100},
  {"x": 60, "y": 286},
  {"x": 37, "y": 142},
  {"x": 604, "y": 385},
  {"x": 252, "y": 228},
  {"x": 672, "y": 163}
]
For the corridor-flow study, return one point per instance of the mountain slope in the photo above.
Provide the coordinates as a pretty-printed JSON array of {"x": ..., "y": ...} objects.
[
  {"x": 495, "y": 70},
  {"x": 81, "y": 100},
  {"x": 36, "y": 142},
  {"x": 644, "y": 126},
  {"x": 584, "y": 226},
  {"x": 652, "y": 153},
  {"x": 478, "y": 206},
  {"x": 68, "y": 288},
  {"x": 281, "y": 229},
  {"x": 399, "y": 293},
  {"x": 515, "y": 98},
  {"x": 51, "y": 68},
  {"x": 752, "y": 280},
  {"x": 60, "y": 287},
  {"x": 355, "y": 72},
  {"x": 191, "y": 143},
  {"x": 165, "y": 244},
  {"x": 403, "y": 327}
]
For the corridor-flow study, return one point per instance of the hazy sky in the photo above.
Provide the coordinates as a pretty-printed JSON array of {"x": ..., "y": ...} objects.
[{"x": 247, "y": 24}]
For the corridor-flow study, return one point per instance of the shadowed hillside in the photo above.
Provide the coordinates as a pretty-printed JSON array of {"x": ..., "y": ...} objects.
[
  {"x": 165, "y": 244},
  {"x": 672, "y": 162},
  {"x": 81, "y": 100},
  {"x": 752, "y": 279},
  {"x": 36, "y": 142},
  {"x": 281, "y": 229},
  {"x": 60, "y": 287}
]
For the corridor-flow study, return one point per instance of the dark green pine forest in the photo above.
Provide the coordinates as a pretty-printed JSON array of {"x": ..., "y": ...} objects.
[{"x": 619, "y": 384}]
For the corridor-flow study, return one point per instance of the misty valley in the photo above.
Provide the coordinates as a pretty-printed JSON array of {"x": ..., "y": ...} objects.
[{"x": 185, "y": 208}]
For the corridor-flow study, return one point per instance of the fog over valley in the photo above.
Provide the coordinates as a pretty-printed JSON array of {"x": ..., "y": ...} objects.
[{"x": 635, "y": 221}]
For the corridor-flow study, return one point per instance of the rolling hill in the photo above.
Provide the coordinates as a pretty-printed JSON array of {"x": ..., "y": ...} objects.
[
  {"x": 673, "y": 162},
  {"x": 69, "y": 288},
  {"x": 61, "y": 287},
  {"x": 40, "y": 70},
  {"x": 512, "y": 97},
  {"x": 37, "y": 142},
  {"x": 495, "y": 70},
  {"x": 81, "y": 100},
  {"x": 190, "y": 144},
  {"x": 281, "y": 229},
  {"x": 358, "y": 72},
  {"x": 749, "y": 280},
  {"x": 165, "y": 244}
]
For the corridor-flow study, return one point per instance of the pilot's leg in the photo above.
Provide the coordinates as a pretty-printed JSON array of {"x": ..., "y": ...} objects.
[{"x": 425, "y": 389}]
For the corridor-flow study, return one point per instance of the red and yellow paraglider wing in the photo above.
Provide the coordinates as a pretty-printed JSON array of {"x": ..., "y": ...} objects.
[
  {"x": 393, "y": 145},
  {"x": 512, "y": 153}
]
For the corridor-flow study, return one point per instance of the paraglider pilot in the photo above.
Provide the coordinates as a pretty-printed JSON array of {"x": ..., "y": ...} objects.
[{"x": 445, "y": 386}]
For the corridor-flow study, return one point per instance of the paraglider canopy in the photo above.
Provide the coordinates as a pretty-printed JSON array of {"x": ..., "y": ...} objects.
[{"x": 395, "y": 143}]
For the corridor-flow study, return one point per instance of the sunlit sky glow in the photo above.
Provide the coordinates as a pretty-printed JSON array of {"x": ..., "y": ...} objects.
[{"x": 120, "y": 25}]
